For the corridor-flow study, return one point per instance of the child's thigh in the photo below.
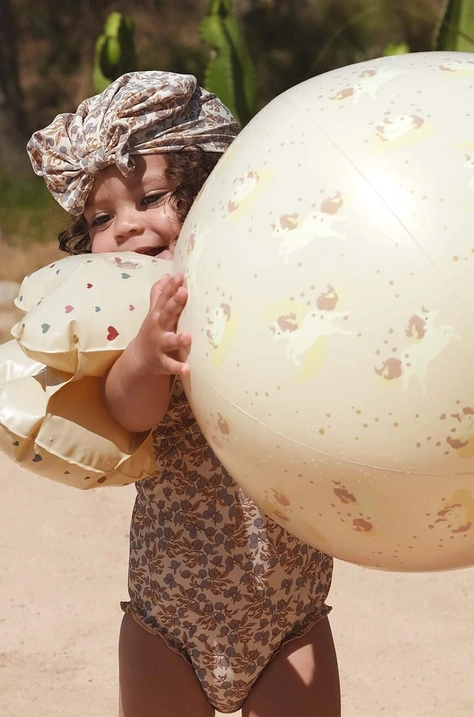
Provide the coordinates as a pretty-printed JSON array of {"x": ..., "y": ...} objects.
[
  {"x": 154, "y": 680},
  {"x": 302, "y": 679}
]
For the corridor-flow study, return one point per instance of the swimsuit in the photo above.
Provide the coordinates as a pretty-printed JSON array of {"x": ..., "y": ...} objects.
[{"x": 219, "y": 581}]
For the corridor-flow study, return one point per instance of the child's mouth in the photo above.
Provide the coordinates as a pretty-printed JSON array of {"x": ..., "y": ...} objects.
[{"x": 151, "y": 251}]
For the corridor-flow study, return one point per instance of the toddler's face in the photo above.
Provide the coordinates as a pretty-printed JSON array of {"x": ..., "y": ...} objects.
[{"x": 133, "y": 214}]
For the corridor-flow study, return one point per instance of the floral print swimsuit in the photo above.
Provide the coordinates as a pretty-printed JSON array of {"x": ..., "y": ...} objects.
[{"x": 222, "y": 583}]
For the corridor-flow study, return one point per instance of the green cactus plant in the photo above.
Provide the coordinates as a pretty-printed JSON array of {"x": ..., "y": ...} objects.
[
  {"x": 114, "y": 51},
  {"x": 455, "y": 27},
  {"x": 230, "y": 73},
  {"x": 396, "y": 48}
]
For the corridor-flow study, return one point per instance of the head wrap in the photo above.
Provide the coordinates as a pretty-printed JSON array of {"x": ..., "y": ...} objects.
[{"x": 139, "y": 113}]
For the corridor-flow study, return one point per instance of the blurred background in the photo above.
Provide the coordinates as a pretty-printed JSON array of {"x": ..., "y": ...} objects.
[{"x": 53, "y": 54}]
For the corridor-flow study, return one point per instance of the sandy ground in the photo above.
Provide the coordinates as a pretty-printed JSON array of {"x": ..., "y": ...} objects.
[{"x": 405, "y": 642}]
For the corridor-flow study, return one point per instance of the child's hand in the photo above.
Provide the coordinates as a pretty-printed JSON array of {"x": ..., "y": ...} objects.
[
  {"x": 137, "y": 387},
  {"x": 157, "y": 344}
]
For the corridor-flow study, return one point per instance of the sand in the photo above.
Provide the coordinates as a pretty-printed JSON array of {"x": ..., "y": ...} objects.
[{"x": 405, "y": 642}]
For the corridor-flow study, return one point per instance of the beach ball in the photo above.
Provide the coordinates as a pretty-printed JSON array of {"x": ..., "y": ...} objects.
[{"x": 330, "y": 265}]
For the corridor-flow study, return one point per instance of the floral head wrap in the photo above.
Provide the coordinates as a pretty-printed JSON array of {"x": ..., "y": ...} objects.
[{"x": 139, "y": 113}]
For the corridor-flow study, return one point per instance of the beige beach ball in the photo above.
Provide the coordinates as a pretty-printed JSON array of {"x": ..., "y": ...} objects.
[{"x": 330, "y": 264}]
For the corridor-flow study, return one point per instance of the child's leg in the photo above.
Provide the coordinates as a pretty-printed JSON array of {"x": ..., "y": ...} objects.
[
  {"x": 302, "y": 680},
  {"x": 154, "y": 680}
]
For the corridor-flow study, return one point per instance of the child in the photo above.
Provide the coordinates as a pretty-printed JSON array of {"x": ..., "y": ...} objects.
[{"x": 211, "y": 578}]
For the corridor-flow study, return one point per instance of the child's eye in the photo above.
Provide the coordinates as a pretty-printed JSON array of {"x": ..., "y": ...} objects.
[
  {"x": 154, "y": 198},
  {"x": 101, "y": 219}
]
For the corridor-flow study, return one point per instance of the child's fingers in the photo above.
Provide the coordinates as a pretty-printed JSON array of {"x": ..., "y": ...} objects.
[
  {"x": 171, "y": 309},
  {"x": 165, "y": 289},
  {"x": 171, "y": 365},
  {"x": 158, "y": 288},
  {"x": 172, "y": 342}
]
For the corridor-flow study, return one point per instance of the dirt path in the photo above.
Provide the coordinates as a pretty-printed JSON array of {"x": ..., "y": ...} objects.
[{"x": 405, "y": 642}]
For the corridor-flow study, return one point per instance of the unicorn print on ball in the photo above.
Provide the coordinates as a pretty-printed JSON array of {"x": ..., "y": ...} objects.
[
  {"x": 222, "y": 320},
  {"x": 294, "y": 232},
  {"x": 456, "y": 66},
  {"x": 303, "y": 328},
  {"x": 243, "y": 186},
  {"x": 456, "y": 516},
  {"x": 394, "y": 131},
  {"x": 428, "y": 342},
  {"x": 277, "y": 505},
  {"x": 458, "y": 427},
  {"x": 299, "y": 337},
  {"x": 193, "y": 246},
  {"x": 391, "y": 128},
  {"x": 368, "y": 84},
  {"x": 349, "y": 510},
  {"x": 217, "y": 323},
  {"x": 219, "y": 431},
  {"x": 244, "y": 191}
]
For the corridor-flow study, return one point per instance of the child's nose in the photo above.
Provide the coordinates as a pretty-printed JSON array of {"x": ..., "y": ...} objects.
[{"x": 128, "y": 223}]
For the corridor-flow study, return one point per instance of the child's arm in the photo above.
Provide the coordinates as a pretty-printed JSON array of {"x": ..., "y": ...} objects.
[{"x": 137, "y": 387}]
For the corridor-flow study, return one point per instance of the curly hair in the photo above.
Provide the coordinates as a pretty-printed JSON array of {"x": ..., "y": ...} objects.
[{"x": 186, "y": 170}]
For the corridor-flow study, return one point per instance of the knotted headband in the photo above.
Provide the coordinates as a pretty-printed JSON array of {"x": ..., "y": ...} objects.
[{"x": 139, "y": 113}]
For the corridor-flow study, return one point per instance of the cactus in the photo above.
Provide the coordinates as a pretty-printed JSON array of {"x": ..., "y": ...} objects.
[
  {"x": 229, "y": 73},
  {"x": 114, "y": 51},
  {"x": 396, "y": 48},
  {"x": 455, "y": 27}
]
